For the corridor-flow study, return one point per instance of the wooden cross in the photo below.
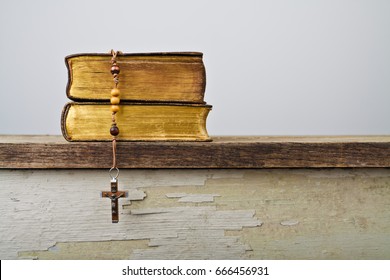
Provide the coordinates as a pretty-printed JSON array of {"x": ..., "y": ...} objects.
[{"x": 114, "y": 195}]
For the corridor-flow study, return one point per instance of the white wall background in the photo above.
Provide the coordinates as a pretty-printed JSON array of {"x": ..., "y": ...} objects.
[{"x": 273, "y": 67}]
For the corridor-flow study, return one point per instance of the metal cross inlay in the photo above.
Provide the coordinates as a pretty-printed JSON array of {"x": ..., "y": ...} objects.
[{"x": 114, "y": 195}]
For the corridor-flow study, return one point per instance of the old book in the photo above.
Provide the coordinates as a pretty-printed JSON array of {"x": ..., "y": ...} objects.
[
  {"x": 161, "y": 77},
  {"x": 136, "y": 121}
]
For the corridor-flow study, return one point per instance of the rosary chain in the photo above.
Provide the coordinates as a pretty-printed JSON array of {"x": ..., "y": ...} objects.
[{"x": 115, "y": 100}]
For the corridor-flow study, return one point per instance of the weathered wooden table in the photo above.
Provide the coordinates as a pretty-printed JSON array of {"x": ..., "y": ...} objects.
[{"x": 233, "y": 198}]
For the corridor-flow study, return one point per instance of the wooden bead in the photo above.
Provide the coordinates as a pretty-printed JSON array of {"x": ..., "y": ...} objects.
[
  {"x": 115, "y": 92},
  {"x": 114, "y": 130},
  {"x": 114, "y": 108},
  {"x": 115, "y": 100},
  {"x": 115, "y": 69}
]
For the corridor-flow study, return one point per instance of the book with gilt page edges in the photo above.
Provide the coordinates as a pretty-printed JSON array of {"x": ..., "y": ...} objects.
[
  {"x": 150, "y": 77},
  {"x": 140, "y": 121}
]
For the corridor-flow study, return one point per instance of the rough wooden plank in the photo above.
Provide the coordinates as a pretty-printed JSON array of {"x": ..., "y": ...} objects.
[
  {"x": 45, "y": 152},
  {"x": 258, "y": 214}
]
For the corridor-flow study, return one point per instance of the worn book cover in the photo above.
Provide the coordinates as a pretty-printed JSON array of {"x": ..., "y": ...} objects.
[
  {"x": 136, "y": 121},
  {"x": 151, "y": 77}
]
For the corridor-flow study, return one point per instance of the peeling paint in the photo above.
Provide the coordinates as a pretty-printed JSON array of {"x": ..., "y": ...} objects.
[
  {"x": 104, "y": 250},
  {"x": 175, "y": 195},
  {"x": 241, "y": 214},
  {"x": 200, "y": 233},
  {"x": 191, "y": 197},
  {"x": 135, "y": 194},
  {"x": 53, "y": 248},
  {"x": 289, "y": 223}
]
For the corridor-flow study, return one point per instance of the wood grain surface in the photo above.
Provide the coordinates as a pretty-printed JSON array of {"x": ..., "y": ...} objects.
[{"x": 45, "y": 152}]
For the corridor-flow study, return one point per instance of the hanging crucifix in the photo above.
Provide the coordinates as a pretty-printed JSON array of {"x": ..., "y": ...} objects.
[{"x": 114, "y": 194}]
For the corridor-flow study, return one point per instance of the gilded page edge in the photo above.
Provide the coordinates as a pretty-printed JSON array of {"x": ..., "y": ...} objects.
[{"x": 207, "y": 137}]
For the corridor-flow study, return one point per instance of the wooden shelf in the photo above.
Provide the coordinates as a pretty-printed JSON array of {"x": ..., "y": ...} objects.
[{"x": 47, "y": 152}]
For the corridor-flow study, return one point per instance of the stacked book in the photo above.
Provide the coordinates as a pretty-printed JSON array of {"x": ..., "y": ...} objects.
[{"x": 162, "y": 97}]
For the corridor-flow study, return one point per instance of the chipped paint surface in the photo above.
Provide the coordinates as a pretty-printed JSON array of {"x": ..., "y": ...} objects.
[
  {"x": 102, "y": 250},
  {"x": 289, "y": 223},
  {"x": 185, "y": 197},
  {"x": 197, "y": 214},
  {"x": 135, "y": 194}
]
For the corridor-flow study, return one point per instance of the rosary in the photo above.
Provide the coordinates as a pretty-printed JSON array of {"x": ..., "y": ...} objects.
[{"x": 114, "y": 194}]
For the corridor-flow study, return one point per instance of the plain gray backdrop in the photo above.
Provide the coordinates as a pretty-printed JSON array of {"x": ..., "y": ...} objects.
[{"x": 273, "y": 67}]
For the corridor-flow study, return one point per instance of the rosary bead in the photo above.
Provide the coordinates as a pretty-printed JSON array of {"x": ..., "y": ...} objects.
[
  {"x": 115, "y": 92},
  {"x": 114, "y": 108},
  {"x": 114, "y": 130},
  {"x": 115, "y": 100},
  {"x": 115, "y": 69}
]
